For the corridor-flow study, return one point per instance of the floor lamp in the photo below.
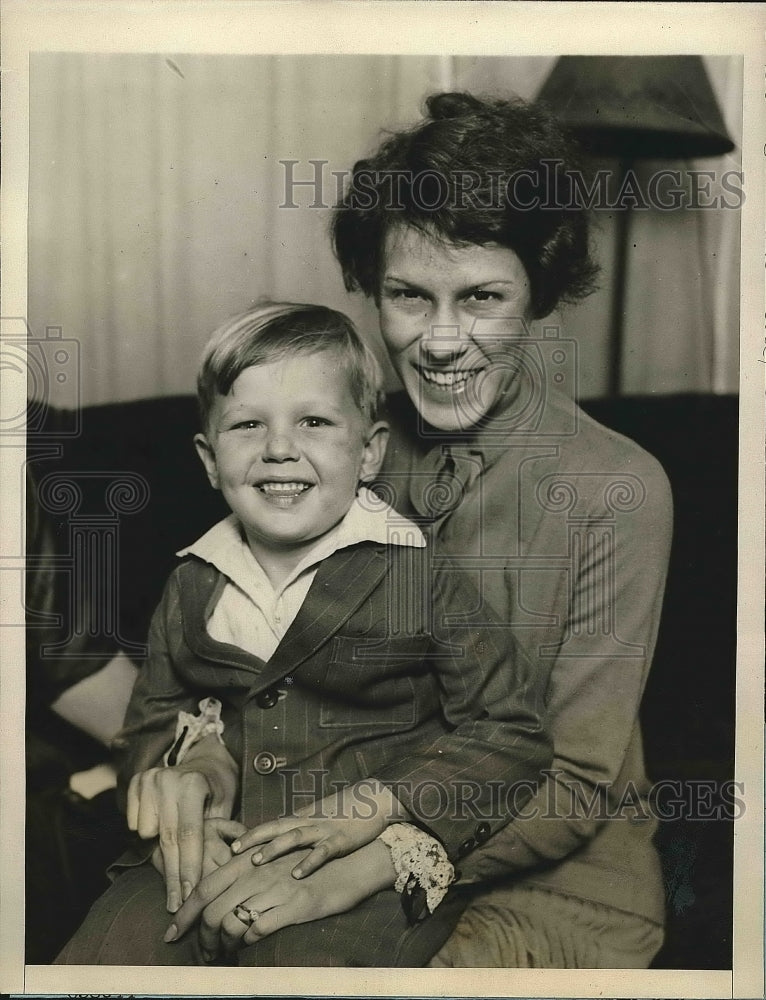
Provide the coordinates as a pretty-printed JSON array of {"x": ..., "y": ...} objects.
[{"x": 630, "y": 108}]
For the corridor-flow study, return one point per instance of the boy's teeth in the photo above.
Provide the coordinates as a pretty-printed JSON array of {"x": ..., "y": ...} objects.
[{"x": 283, "y": 487}]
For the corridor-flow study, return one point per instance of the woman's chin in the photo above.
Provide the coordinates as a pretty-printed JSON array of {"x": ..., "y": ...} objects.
[{"x": 446, "y": 408}]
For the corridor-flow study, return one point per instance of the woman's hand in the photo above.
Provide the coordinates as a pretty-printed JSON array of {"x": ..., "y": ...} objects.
[
  {"x": 276, "y": 898},
  {"x": 173, "y": 802},
  {"x": 334, "y": 827}
]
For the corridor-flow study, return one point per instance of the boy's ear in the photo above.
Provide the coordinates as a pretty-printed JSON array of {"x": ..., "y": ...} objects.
[
  {"x": 206, "y": 453},
  {"x": 374, "y": 450}
]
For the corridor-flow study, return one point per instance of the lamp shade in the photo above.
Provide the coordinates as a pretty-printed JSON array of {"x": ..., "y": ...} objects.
[{"x": 633, "y": 107}]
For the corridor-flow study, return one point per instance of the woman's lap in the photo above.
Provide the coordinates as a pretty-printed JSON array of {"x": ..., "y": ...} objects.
[
  {"x": 125, "y": 926},
  {"x": 525, "y": 927},
  {"x": 509, "y": 927}
]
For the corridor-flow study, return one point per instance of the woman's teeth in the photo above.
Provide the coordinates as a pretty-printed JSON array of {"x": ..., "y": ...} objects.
[{"x": 449, "y": 380}]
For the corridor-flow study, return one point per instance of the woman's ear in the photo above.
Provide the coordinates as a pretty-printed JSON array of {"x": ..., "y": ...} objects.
[
  {"x": 374, "y": 450},
  {"x": 206, "y": 453}
]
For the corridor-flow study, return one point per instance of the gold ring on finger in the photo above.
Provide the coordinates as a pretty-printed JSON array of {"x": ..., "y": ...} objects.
[{"x": 245, "y": 914}]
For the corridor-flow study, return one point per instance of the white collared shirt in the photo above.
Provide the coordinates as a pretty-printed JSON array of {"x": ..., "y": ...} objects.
[{"x": 254, "y": 615}]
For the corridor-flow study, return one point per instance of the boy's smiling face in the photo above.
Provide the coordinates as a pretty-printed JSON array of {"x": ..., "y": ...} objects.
[{"x": 287, "y": 447}]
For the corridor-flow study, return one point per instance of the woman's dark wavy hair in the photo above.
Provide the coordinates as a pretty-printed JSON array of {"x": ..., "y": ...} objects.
[{"x": 459, "y": 160}]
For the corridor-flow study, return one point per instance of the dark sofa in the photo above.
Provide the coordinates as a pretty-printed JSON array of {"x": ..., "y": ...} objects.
[{"x": 164, "y": 502}]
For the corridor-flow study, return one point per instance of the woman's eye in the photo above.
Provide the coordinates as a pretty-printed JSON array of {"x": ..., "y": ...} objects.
[
  {"x": 482, "y": 295},
  {"x": 406, "y": 294}
]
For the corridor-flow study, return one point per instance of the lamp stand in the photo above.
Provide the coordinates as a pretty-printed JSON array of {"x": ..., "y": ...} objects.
[{"x": 619, "y": 285}]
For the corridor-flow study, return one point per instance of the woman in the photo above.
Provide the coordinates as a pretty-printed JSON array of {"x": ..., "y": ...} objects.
[{"x": 465, "y": 230}]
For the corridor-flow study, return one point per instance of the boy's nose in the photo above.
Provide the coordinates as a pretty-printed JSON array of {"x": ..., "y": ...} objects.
[{"x": 280, "y": 447}]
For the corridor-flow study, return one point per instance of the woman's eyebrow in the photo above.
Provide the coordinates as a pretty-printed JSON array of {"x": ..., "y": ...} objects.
[
  {"x": 494, "y": 281},
  {"x": 463, "y": 290},
  {"x": 477, "y": 286},
  {"x": 401, "y": 281},
  {"x": 483, "y": 282}
]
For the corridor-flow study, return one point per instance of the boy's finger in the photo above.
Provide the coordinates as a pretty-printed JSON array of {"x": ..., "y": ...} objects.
[
  {"x": 190, "y": 834},
  {"x": 132, "y": 804},
  {"x": 148, "y": 819},
  {"x": 227, "y": 829},
  {"x": 157, "y": 861},
  {"x": 216, "y": 849},
  {"x": 168, "y": 824}
]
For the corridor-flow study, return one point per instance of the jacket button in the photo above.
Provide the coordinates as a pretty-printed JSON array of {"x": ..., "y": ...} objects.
[
  {"x": 267, "y": 698},
  {"x": 265, "y": 762},
  {"x": 468, "y": 845},
  {"x": 483, "y": 832}
]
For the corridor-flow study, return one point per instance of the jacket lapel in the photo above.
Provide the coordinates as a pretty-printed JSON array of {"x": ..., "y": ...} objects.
[
  {"x": 343, "y": 583},
  {"x": 201, "y": 587}
]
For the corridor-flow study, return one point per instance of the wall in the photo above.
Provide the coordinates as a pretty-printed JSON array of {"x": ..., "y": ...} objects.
[{"x": 154, "y": 212}]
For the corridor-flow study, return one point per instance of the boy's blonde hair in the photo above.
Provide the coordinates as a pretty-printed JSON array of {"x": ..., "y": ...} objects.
[{"x": 271, "y": 331}]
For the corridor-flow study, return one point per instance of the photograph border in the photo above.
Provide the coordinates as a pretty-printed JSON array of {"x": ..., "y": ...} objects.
[{"x": 407, "y": 27}]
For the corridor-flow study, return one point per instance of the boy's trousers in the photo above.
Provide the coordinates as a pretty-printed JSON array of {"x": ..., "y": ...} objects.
[{"x": 126, "y": 925}]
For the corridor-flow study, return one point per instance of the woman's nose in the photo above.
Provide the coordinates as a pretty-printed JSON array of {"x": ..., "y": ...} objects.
[
  {"x": 280, "y": 446},
  {"x": 445, "y": 338}
]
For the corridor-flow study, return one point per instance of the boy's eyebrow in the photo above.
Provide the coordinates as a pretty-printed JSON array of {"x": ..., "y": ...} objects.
[{"x": 303, "y": 406}]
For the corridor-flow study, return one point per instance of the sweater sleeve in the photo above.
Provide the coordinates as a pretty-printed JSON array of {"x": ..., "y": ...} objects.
[
  {"x": 472, "y": 779},
  {"x": 595, "y": 688}
]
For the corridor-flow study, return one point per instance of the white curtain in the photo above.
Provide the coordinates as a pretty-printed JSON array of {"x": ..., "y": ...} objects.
[{"x": 155, "y": 211}]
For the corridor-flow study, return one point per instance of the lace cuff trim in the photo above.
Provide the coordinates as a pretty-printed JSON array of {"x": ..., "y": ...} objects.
[
  {"x": 419, "y": 860},
  {"x": 190, "y": 729}
]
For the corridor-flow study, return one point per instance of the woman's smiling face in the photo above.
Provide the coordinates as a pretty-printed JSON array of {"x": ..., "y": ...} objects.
[{"x": 449, "y": 315}]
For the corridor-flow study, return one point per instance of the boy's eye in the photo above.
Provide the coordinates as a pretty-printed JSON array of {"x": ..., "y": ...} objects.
[
  {"x": 315, "y": 422},
  {"x": 246, "y": 425}
]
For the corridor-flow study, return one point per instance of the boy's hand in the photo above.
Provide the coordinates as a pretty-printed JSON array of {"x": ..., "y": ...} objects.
[
  {"x": 173, "y": 802},
  {"x": 216, "y": 849},
  {"x": 333, "y": 827}
]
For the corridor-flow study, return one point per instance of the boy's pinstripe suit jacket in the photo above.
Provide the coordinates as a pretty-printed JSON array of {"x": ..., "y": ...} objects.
[{"x": 376, "y": 677}]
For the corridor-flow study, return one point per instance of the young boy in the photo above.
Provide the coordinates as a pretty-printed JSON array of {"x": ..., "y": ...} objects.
[{"x": 323, "y": 646}]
